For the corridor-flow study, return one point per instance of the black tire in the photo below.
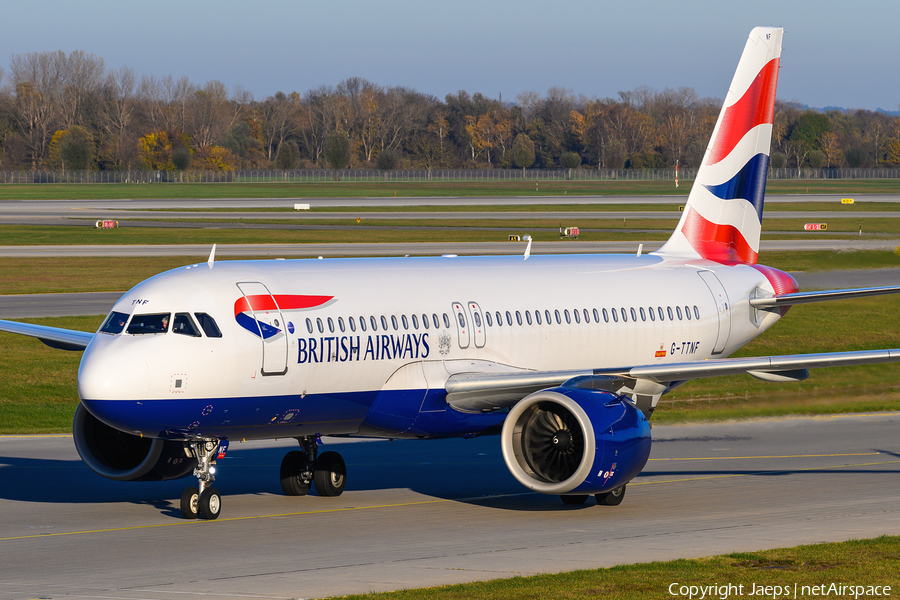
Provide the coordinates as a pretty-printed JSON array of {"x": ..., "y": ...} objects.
[
  {"x": 613, "y": 498},
  {"x": 293, "y": 464},
  {"x": 330, "y": 474},
  {"x": 210, "y": 504},
  {"x": 190, "y": 500}
]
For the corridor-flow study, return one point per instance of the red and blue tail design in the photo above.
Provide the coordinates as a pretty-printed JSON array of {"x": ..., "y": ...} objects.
[
  {"x": 249, "y": 310},
  {"x": 723, "y": 215}
]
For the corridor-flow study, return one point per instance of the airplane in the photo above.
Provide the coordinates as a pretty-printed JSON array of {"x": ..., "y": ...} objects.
[{"x": 564, "y": 357}]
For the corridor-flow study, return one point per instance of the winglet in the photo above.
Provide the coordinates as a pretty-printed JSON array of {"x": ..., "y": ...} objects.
[{"x": 212, "y": 256}]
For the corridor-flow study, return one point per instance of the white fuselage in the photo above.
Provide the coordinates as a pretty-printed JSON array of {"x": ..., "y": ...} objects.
[{"x": 322, "y": 371}]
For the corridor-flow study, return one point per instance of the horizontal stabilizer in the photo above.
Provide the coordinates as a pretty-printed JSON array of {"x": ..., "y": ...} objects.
[
  {"x": 822, "y": 296},
  {"x": 55, "y": 337}
]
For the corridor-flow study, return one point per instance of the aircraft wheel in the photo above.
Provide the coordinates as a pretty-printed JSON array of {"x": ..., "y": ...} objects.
[
  {"x": 613, "y": 498},
  {"x": 330, "y": 474},
  {"x": 190, "y": 501},
  {"x": 576, "y": 499},
  {"x": 210, "y": 504},
  {"x": 293, "y": 465}
]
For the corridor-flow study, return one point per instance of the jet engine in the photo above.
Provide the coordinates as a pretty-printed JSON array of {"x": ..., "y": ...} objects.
[
  {"x": 574, "y": 441},
  {"x": 122, "y": 456}
]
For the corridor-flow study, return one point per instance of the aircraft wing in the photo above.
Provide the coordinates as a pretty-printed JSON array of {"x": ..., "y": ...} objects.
[
  {"x": 480, "y": 392},
  {"x": 55, "y": 337},
  {"x": 821, "y": 296}
]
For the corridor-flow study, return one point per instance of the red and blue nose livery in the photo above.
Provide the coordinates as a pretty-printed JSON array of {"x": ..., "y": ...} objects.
[{"x": 247, "y": 310}]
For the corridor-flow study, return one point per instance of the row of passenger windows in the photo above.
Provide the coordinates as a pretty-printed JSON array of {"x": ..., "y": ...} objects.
[
  {"x": 183, "y": 324},
  {"x": 530, "y": 318}
]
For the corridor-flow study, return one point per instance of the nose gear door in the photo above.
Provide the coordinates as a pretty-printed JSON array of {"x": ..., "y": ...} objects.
[{"x": 262, "y": 316}]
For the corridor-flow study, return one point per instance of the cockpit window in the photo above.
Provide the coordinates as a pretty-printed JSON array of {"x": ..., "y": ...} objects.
[
  {"x": 184, "y": 325},
  {"x": 115, "y": 323},
  {"x": 155, "y": 323},
  {"x": 209, "y": 325}
]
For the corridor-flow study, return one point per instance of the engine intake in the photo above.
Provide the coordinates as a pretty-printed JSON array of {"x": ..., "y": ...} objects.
[
  {"x": 122, "y": 456},
  {"x": 573, "y": 441}
]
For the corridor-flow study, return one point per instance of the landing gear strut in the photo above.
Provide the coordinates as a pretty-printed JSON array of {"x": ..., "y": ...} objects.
[
  {"x": 203, "y": 500},
  {"x": 301, "y": 468}
]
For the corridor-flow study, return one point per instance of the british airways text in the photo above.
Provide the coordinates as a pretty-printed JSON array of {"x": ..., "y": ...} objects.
[{"x": 346, "y": 348}]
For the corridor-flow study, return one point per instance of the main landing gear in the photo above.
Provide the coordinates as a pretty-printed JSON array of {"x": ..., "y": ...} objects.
[
  {"x": 203, "y": 500},
  {"x": 301, "y": 468},
  {"x": 613, "y": 498}
]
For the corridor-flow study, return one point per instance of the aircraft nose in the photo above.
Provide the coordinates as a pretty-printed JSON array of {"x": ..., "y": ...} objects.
[{"x": 110, "y": 371}]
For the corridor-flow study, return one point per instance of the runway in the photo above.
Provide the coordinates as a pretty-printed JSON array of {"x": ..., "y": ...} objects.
[
  {"x": 419, "y": 513},
  {"x": 34, "y": 211}
]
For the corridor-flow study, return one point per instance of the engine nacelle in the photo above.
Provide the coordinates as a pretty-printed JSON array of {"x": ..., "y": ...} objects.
[
  {"x": 574, "y": 441},
  {"x": 122, "y": 456}
]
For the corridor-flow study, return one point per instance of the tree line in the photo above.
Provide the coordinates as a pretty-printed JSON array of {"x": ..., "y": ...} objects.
[{"x": 63, "y": 111}]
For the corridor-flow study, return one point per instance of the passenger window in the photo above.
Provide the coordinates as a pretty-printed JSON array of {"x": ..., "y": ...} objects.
[
  {"x": 587, "y": 316},
  {"x": 362, "y": 323},
  {"x": 425, "y": 321},
  {"x": 374, "y": 323},
  {"x": 208, "y": 324},
  {"x": 352, "y": 322},
  {"x": 341, "y": 324},
  {"x": 669, "y": 310},
  {"x": 434, "y": 319},
  {"x": 678, "y": 310},
  {"x": 184, "y": 325},
  {"x": 477, "y": 318},
  {"x": 446, "y": 321},
  {"x": 309, "y": 325},
  {"x": 633, "y": 315},
  {"x": 537, "y": 316},
  {"x": 384, "y": 325},
  {"x": 405, "y": 322},
  {"x": 487, "y": 317},
  {"x": 661, "y": 315},
  {"x": 624, "y": 315},
  {"x": 615, "y": 316},
  {"x": 696, "y": 312},
  {"x": 143, "y": 324},
  {"x": 687, "y": 312},
  {"x": 519, "y": 318},
  {"x": 576, "y": 315},
  {"x": 115, "y": 323},
  {"x": 330, "y": 325},
  {"x": 643, "y": 314},
  {"x": 606, "y": 316},
  {"x": 320, "y": 326},
  {"x": 652, "y": 314},
  {"x": 547, "y": 317},
  {"x": 508, "y": 318},
  {"x": 415, "y": 321},
  {"x": 596, "y": 316},
  {"x": 499, "y": 318},
  {"x": 461, "y": 319},
  {"x": 558, "y": 319}
]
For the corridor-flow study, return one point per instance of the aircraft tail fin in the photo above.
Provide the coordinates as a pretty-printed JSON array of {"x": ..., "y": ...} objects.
[{"x": 723, "y": 215}]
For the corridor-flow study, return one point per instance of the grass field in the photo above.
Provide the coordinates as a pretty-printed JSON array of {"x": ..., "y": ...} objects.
[
  {"x": 864, "y": 563},
  {"x": 61, "y": 191}
]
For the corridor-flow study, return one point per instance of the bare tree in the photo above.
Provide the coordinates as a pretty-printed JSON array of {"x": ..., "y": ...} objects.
[
  {"x": 37, "y": 79},
  {"x": 116, "y": 114},
  {"x": 82, "y": 77}
]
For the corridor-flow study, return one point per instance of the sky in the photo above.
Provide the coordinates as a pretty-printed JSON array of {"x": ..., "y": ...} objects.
[{"x": 834, "y": 53}]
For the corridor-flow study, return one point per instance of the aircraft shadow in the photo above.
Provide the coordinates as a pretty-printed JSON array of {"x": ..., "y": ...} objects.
[{"x": 470, "y": 471}]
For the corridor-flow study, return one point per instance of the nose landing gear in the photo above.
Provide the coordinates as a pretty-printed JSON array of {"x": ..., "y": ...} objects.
[{"x": 204, "y": 500}]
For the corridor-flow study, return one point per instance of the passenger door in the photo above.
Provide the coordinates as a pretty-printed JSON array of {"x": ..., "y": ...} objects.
[{"x": 268, "y": 323}]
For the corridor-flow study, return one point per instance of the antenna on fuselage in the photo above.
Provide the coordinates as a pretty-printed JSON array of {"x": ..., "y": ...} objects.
[
  {"x": 528, "y": 248},
  {"x": 212, "y": 256}
]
